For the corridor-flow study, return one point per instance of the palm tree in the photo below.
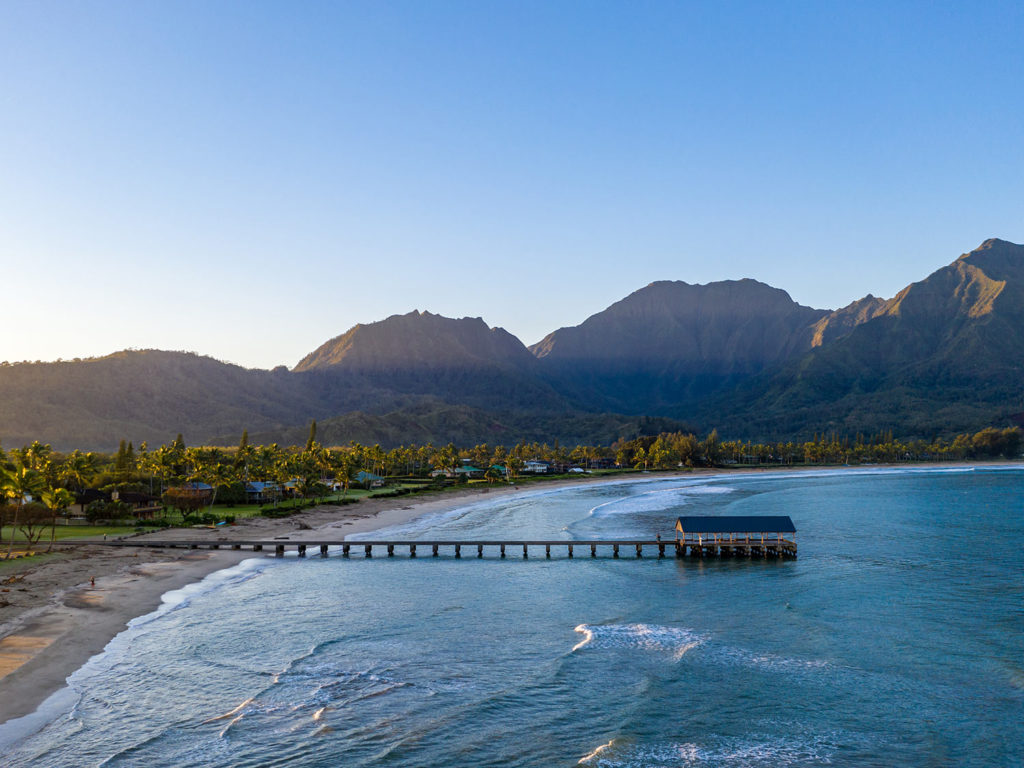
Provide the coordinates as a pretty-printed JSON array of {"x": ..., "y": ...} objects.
[
  {"x": 78, "y": 469},
  {"x": 348, "y": 470},
  {"x": 15, "y": 485},
  {"x": 57, "y": 500},
  {"x": 216, "y": 474}
]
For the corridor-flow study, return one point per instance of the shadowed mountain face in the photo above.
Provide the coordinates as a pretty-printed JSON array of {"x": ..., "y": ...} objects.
[
  {"x": 944, "y": 355},
  {"x": 456, "y": 361},
  {"x": 420, "y": 340},
  {"x": 671, "y": 344},
  {"x": 141, "y": 395}
]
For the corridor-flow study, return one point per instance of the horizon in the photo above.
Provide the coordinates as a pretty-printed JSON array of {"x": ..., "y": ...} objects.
[
  {"x": 336, "y": 335},
  {"x": 249, "y": 181}
]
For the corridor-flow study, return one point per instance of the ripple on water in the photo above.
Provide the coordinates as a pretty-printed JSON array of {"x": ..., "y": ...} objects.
[{"x": 786, "y": 745}]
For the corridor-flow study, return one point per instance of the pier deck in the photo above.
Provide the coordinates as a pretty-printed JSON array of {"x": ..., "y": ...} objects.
[{"x": 738, "y": 547}]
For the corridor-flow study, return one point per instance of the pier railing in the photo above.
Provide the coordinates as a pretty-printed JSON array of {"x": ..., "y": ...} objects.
[{"x": 749, "y": 547}]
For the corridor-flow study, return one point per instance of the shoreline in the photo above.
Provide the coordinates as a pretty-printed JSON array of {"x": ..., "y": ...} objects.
[{"x": 55, "y": 620}]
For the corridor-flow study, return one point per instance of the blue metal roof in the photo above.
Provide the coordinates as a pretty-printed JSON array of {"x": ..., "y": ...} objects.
[{"x": 736, "y": 524}]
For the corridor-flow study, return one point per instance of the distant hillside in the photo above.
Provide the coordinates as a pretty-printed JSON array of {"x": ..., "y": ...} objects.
[
  {"x": 945, "y": 355},
  {"x": 668, "y": 346},
  {"x": 456, "y": 361},
  {"x": 141, "y": 395}
]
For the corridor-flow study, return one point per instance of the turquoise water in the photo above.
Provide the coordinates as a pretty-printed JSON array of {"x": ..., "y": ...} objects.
[{"x": 896, "y": 639}]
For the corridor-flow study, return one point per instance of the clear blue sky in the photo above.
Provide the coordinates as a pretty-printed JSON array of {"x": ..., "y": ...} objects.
[{"x": 249, "y": 179}]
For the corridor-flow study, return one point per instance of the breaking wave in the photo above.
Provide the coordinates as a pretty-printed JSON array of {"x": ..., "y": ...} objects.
[
  {"x": 656, "y": 501},
  {"x": 797, "y": 748},
  {"x": 674, "y": 641}
]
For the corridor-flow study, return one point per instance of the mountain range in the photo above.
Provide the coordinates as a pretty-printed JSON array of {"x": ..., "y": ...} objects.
[{"x": 944, "y": 355}]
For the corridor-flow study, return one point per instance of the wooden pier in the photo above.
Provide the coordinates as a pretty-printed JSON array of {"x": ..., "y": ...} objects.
[{"x": 634, "y": 548}]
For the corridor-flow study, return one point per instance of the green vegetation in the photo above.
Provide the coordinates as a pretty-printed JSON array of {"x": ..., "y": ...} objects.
[
  {"x": 65, "y": 532},
  {"x": 178, "y": 485}
]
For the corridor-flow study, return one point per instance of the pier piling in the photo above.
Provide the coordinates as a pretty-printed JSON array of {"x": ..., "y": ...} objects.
[{"x": 771, "y": 548}]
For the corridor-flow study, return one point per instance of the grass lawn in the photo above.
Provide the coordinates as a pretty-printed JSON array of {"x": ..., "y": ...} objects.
[{"x": 70, "y": 532}]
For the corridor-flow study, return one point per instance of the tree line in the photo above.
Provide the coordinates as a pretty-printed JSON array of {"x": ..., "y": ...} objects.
[{"x": 38, "y": 484}]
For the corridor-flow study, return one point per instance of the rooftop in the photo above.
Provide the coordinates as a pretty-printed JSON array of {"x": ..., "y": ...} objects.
[{"x": 736, "y": 524}]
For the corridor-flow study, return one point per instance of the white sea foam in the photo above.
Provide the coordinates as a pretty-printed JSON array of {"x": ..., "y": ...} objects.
[
  {"x": 305, "y": 689},
  {"x": 181, "y": 598},
  {"x": 655, "y": 501},
  {"x": 431, "y": 520},
  {"x": 588, "y": 758},
  {"x": 749, "y": 751},
  {"x": 65, "y": 700},
  {"x": 674, "y": 641}
]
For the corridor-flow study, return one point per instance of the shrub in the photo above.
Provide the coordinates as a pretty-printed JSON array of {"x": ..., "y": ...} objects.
[{"x": 106, "y": 510}]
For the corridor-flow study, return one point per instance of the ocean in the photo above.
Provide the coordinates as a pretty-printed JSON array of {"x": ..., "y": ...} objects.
[{"x": 896, "y": 639}]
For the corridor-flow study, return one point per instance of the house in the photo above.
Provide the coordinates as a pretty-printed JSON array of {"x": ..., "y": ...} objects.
[
  {"x": 469, "y": 471},
  {"x": 258, "y": 491},
  {"x": 369, "y": 479},
  {"x": 90, "y": 495},
  {"x": 144, "y": 506},
  {"x": 535, "y": 467}
]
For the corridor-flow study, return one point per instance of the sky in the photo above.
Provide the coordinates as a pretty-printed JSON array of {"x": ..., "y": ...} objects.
[{"x": 249, "y": 179}]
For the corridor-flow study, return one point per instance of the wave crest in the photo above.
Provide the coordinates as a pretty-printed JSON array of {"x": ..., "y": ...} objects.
[
  {"x": 656, "y": 501},
  {"x": 646, "y": 637}
]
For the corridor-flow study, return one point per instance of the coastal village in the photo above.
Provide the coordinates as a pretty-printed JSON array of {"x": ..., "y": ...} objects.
[{"x": 50, "y": 495}]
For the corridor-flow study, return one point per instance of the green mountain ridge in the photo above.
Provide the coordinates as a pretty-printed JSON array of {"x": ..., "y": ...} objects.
[{"x": 944, "y": 355}]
